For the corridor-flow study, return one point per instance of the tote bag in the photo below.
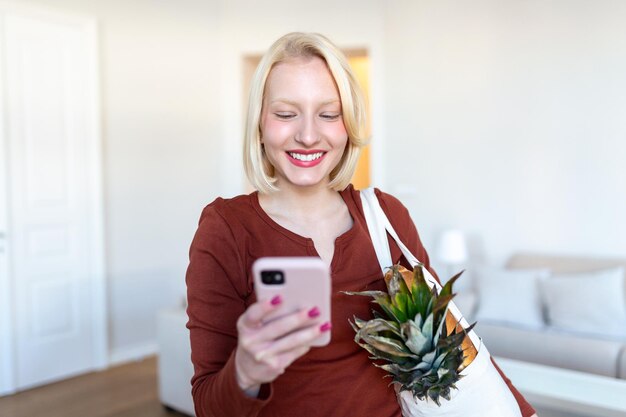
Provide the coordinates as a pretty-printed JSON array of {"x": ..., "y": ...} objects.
[{"x": 481, "y": 391}]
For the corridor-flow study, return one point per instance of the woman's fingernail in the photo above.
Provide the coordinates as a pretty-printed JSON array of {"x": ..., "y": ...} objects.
[
  {"x": 276, "y": 300},
  {"x": 326, "y": 326},
  {"x": 314, "y": 312}
]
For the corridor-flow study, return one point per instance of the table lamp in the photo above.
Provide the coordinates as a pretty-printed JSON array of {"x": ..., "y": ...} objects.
[{"x": 451, "y": 251}]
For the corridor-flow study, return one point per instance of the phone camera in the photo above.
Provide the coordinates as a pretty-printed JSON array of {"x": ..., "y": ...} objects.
[{"x": 272, "y": 277}]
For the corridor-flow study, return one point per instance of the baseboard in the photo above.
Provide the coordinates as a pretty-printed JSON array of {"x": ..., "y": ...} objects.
[
  {"x": 116, "y": 357},
  {"x": 7, "y": 391},
  {"x": 132, "y": 353}
]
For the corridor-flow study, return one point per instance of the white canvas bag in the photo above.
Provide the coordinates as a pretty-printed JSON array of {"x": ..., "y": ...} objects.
[{"x": 481, "y": 391}]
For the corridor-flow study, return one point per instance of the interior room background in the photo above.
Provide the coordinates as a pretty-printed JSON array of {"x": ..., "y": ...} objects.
[{"x": 504, "y": 119}]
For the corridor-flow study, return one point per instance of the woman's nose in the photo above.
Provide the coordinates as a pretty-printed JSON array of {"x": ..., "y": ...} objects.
[{"x": 308, "y": 132}]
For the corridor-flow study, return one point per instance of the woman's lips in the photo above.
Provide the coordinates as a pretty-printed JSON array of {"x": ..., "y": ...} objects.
[{"x": 306, "y": 159}]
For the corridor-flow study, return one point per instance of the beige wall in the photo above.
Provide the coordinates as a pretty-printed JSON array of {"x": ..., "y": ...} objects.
[
  {"x": 502, "y": 118},
  {"x": 172, "y": 124},
  {"x": 513, "y": 113}
]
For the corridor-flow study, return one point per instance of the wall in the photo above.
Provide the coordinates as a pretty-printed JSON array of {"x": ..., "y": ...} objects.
[
  {"x": 172, "y": 125},
  {"x": 513, "y": 114},
  {"x": 161, "y": 147}
]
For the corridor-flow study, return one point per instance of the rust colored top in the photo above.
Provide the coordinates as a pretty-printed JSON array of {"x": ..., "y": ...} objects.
[{"x": 335, "y": 380}]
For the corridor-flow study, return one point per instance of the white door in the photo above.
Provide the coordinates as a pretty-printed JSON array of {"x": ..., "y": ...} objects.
[
  {"x": 6, "y": 328},
  {"x": 54, "y": 231}
]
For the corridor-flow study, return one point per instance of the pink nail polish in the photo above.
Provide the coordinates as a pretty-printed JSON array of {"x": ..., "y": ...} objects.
[
  {"x": 314, "y": 312},
  {"x": 276, "y": 300},
  {"x": 326, "y": 326}
]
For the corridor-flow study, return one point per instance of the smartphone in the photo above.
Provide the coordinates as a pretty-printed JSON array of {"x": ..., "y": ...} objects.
[{"x": 302, "y": 282}]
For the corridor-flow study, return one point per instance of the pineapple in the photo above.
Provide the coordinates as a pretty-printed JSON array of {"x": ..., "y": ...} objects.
[{"x": 423, "y": 346}]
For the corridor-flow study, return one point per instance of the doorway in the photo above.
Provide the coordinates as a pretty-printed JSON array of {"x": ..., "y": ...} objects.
[{"x": 52, "y": 282}]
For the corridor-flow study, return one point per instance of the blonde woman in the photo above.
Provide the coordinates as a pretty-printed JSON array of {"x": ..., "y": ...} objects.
[{"x": 305, "y": 127}]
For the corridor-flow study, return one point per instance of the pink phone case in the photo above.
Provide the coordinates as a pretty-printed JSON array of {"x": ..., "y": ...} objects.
[{"x": 306, "y": 284}]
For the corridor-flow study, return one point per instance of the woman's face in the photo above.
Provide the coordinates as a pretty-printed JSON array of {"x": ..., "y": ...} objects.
[{"x": 302, "y": 127}]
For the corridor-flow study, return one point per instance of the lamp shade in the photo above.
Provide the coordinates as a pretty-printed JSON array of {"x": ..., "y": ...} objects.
[{"x": 452, "y": 248}]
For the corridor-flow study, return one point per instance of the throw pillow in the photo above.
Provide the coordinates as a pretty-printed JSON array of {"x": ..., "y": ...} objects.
[
  {"x": 591, "y": 302},
  {"x": 510, "y": 296}
]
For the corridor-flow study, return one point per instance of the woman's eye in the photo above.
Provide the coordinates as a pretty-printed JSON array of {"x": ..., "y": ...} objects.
[
  {"x": 331, "y": 116},
  {"x": 284, "y": 115}
]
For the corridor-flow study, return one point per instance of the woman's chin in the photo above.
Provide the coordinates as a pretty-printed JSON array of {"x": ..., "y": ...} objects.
[{"x": 307, "y": 183}]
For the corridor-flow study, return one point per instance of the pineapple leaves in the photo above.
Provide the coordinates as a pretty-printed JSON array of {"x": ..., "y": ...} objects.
[
  {"x": 396, "y": 284},
  {"x": 387, "y": 345},
  {"x": 377, "y": 325},
  {"x": 384, "y": 301},
  {"x": 441, "y": 306},
  {"x": 421, "y": 294},
  {"x": 374, "y": 294},
  {"x": 401, "y": 306},
  {"x": 447, "y": 288},
  {"x": 416, "y": 340},
  {"x": 410, "y": 335}
]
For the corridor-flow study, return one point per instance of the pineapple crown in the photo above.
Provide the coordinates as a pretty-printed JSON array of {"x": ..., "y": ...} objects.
[{"x": 419, "y": 350}]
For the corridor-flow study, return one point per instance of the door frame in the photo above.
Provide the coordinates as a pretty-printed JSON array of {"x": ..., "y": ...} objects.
[
  {"x": 88, "y": 26},
  {"x": 7, "y": 374}
]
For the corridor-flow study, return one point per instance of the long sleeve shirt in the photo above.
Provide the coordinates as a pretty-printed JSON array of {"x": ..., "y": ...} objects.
[{"x": 335, "y": 380}]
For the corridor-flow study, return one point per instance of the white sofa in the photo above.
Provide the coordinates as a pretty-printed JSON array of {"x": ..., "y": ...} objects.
[
  {"x": 548, "y": 344},
  {"x": 175, "y": 369}
]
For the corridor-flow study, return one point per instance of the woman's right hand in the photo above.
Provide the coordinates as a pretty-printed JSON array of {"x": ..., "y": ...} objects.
[{"x": 265, "y": 350}]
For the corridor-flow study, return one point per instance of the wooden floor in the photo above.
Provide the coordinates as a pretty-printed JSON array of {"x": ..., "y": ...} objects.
[{"x": 125, "y": 391}]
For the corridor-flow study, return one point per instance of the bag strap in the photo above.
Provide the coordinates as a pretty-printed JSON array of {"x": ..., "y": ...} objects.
[
  {"x": 379, "y": 225},
  {"x": 377, "y": 229}
]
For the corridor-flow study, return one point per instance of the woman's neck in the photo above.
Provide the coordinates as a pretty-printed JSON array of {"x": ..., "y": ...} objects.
[{"x": 301, "y": 203}]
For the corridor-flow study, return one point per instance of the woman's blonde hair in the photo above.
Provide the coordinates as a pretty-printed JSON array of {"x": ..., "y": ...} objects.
[{"x": 354, "y": 112}]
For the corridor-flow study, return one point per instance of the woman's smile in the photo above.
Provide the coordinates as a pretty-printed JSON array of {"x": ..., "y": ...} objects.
[{"x": 305, "y": 159}]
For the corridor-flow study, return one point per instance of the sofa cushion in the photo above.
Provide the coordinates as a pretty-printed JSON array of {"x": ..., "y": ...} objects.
[
  {"x": 590, "y": 302},
  {"x": 559, "y": 264},
  {"x": 507, "y": 296},
  {"x": 553, "y": 348}
]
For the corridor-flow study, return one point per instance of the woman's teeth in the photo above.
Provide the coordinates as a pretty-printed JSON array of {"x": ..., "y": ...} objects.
[{"x": 306, "y": 158}]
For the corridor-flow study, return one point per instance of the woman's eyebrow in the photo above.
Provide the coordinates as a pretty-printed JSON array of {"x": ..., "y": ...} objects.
[
  {"x": 283, "y": 100},
  {"x": 294, "y": 103}
]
